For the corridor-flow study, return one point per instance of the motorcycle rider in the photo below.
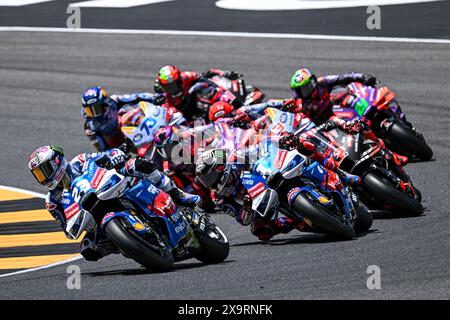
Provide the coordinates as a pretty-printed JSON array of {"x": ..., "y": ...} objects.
[
  {"x": 221, "y": 112},
  {"x": 100, "y": 113},
  {"x": 50, "y": 168},
  {"x": 180, "y": 87},
  {"x": 222, "y": 177},
  {"x": 315, "y": 97}
]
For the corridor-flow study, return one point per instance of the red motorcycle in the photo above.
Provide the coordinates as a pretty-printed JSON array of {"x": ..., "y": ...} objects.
[{"x": 380, "y": 110}]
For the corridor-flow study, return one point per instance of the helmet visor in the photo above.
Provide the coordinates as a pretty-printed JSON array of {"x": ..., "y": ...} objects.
[
  {"x": 173, "y": 88},
  {"x": 43, "y": 172},
  {"x": 94, "y": 110},
  {"x": 306, "y": 90}
]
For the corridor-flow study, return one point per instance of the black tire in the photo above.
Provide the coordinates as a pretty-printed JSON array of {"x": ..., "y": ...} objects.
[
  {"x": 364, "y": 219},
  {"x": 383, "y": 190},
  {"x": 213, "y": 250},
  {"x": 321, "y": 219},
  {"x": 135, "y": 247},
  {"x": 402, "y": 139}
]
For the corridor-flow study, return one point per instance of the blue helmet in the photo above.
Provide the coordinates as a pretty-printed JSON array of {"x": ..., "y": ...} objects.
[{"x": 95, "y": 102}]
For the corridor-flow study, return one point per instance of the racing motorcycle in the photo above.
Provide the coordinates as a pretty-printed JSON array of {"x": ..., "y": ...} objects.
[
  {"x": 385, "y": 184},
  {"x": 379, "y": 108},
  {"x": 141, "y": 125},
  {"x": 142, "y": 121},
  {"x": 140, "y": 219},
  {"x": 217, "y": 88},
  {"x": 304, "y": 191}
]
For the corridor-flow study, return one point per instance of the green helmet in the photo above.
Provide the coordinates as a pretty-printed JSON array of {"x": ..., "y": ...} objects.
[{"x": 303, "y": 83}]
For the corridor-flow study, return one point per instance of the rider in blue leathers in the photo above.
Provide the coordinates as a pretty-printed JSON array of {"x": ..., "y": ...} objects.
[
  {"x": 51, "y": 169},
  {"x": 100, "y": 113}
]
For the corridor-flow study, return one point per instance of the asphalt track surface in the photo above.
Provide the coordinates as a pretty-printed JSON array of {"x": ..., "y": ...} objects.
[
  {"x": 420, "y": 20},
  {"x": 43, "y": 74}
]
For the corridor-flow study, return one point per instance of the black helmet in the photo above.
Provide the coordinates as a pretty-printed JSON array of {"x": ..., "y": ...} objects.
[{"x": 212, "y": 169}]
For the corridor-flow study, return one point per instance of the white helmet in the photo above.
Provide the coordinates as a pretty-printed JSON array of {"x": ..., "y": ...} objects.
[{"x": 48, "y": 166}]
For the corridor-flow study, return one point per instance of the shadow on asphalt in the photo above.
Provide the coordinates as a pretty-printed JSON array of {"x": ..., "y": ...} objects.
[
  {"x": 142, "y": 270},
  {"x": 386, "y": 215},
  {"x": 309, "y": 238}
]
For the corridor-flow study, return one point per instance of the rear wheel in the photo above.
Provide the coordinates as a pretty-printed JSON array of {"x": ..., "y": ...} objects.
[
  {"x": 151, "y": 253},
  {"x": 321, "y": 219},
  {"x": 383, "y": 190},
  {"x": 403, "y": 139}
]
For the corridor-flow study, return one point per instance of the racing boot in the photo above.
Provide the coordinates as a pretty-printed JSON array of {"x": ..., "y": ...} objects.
[
  {"x": 348, "y": 179},
  {"x": 183, "y": 198},
  {"x": 95, "y": 246}
]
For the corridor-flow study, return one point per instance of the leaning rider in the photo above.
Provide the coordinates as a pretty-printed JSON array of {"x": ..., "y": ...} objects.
[{"x": 50, "y": 168}]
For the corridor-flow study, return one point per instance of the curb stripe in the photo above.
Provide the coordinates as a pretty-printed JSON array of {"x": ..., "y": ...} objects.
[
  {"x": 29, "y": 227},
  {"x": 25, "y": 216},
  {"x": 21, "y": 205},
  {"x": 55, "y": 249},
  {"x": 35, "y": 239},
  {"x": 37, "y": 249},
  {"x": 33, "y": 261}
]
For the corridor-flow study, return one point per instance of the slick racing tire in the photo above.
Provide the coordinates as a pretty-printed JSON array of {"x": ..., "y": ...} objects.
[
  {"x": 132, "y": 245},
  {"x": 321, "y": 219},
  {"x": 214, "y": 245},
  {"x": 403, "y": 140},
  {"x": 364, "y": 219},
  {"x": 383, "y": 190}
]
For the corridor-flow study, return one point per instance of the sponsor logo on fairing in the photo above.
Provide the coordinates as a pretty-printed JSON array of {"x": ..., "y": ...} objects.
[
  {"x": 281, "y": 157},
  {"x": 72, "y": 210},
  {"x": 98, "y": 176},
  {"x": 256, "y": 190}
]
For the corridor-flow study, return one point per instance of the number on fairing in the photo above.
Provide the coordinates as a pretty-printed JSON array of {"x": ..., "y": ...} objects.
[
  {"x": 80, "y": 187},
  {"x": 147, "y": 125}
]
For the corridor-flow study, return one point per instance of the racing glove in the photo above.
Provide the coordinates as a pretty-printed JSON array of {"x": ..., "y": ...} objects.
[
  {"x": 159, "y": 99},
  {"x": 291, "y": 141},
  {"x": 289, "y": 105},
  {"x": 116, "y": 158},
  {"x": 369, "y": 80}
]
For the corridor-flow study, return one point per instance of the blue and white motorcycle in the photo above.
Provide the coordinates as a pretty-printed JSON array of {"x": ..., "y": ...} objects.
[
  {"x": 305, "y": 191},
  {"x": 140, "y": 219}
]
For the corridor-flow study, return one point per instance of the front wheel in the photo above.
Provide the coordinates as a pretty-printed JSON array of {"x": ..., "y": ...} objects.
[
  {"x": 152, "y": 253},
  {"x": 214, "y": 244},
  {"x": 321, "y": 219},
  {"x": 403, "y": 139},
  {"x": 364, "y": 219},
  {"x": 383, "y": 190}
]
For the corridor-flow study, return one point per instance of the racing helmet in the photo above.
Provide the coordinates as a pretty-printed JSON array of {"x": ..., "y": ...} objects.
[
  {"x": 49, "y": 167},
  {"x": 169, "y": 79},
  {"x": 165, "y": 139},
  {"x": 219, "y": 110},
  {"x": 213, "y": 170},
  {"x": 95, "y": 102},
  {"x": 303, "y": 84}
]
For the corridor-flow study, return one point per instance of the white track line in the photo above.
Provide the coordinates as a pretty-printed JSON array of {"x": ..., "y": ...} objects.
[
  {"x": 229, "y": 34},
  {"x": 271, "y": 5},
  {"x": 38, "y": 195},
  {"x": 19, "y": 3},
  {"x": 115, "y": 3},
  {"x": 31, "y": 193},
  {"x": 42, "y": 267}
]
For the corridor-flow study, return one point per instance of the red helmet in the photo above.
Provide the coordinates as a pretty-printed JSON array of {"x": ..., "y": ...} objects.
[
  {"x": 219, "y": 110},
  {"x": 169, "y": 77}
]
